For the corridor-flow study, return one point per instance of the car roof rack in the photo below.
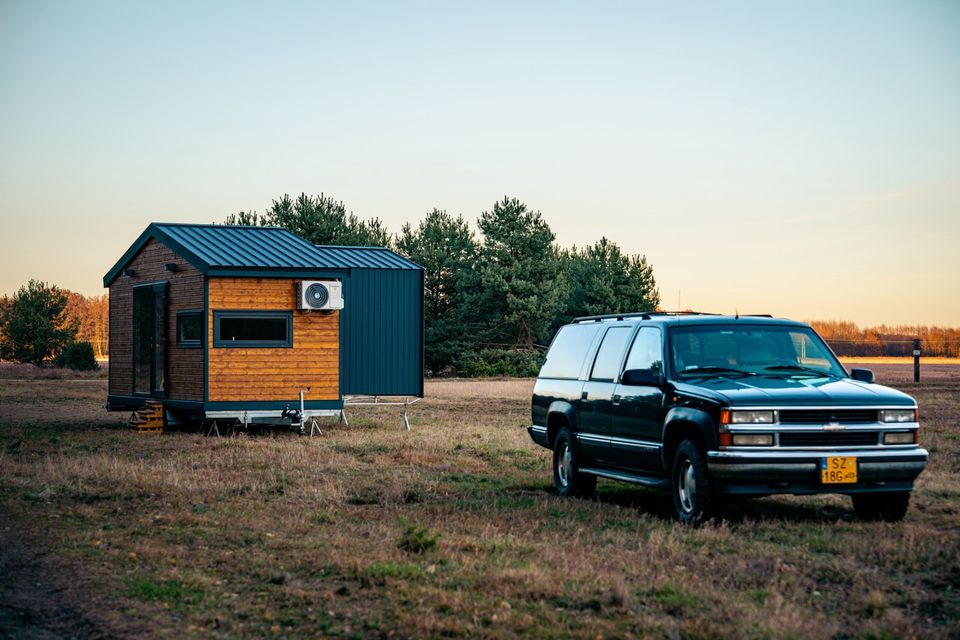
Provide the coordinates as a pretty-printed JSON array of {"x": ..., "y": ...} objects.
[{"x": 643, "y": 315}]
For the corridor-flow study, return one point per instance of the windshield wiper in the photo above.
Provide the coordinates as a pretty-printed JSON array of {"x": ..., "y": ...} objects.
[
  {"x": 795, "y": 367},
  {"x": 717, "y": 370}
]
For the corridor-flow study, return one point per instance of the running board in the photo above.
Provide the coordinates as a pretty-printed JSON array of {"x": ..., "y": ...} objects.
[{"x": 623, "y": 476}]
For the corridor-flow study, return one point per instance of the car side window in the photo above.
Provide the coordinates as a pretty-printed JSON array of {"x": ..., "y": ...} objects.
[
  {"x": 646, "y": 352},
  {"x": 568, "y": 351},
  {"x": 607, "y": 363}
]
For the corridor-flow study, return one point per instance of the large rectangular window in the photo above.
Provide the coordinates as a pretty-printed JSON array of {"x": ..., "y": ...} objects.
[
  {"x": 150, "y": 338},
  {"x": 252, "y": 329}
]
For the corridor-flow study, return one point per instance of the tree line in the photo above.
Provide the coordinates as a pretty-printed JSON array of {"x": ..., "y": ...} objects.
[
  {"x": 42, "y": 322},
  {"x": 848, "y": 339},
  {"x": 492, "y": 299}
]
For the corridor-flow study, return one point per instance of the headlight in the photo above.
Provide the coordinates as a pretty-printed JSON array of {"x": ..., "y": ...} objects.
[
  {"x": 898, "y": 415},
  {"x": 734, "y": 416}
]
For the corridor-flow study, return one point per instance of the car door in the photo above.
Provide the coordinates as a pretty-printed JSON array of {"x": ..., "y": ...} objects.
[
  {"x": 596, "y": 397},
  {"x": 638, "y": 411}
]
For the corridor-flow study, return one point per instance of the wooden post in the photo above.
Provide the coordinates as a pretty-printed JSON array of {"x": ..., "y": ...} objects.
[{"x": 916, "y": 360}]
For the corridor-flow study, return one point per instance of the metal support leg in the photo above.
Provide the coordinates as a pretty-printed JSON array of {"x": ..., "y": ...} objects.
[
  {"x": 406, "y": 420},
  {"x": 214, "y": 431},
  {"x": 343, "y": 418},
  {"x": 314, "y": 427}
]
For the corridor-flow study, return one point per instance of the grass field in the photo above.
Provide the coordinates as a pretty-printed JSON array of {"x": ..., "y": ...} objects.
[{"x": 449, "y": 530}]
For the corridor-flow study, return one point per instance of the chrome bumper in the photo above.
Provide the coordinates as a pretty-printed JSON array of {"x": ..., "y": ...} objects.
[{"x": 771, "y": 471}]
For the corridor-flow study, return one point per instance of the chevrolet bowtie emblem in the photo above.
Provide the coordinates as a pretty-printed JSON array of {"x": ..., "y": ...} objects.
[{"x": 833, "y": 426}]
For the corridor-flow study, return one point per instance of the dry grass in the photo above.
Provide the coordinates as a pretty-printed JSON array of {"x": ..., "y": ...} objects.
[{"x": 281, "y": 536}]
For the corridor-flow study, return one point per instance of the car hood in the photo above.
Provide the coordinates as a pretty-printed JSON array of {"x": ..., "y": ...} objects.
[{"x": 764, "y": 390}]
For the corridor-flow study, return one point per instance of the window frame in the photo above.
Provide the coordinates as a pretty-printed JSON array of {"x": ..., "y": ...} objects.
[
  {"x": 219, "y": 315},
  {"x": 190, "y": 344}
]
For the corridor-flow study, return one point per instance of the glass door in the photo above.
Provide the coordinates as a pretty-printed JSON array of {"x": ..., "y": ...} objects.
[{"x": 150, "y": 339}]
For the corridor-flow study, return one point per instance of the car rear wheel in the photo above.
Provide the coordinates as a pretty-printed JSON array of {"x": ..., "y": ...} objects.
[
  {"x": 694, "y": 498},
  {"x": 566, "y": 468},
  {"x": 889, "y": 506}
]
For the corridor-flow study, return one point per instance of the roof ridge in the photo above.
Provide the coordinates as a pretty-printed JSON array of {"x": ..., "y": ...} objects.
[{"x": 215, "y": 225}]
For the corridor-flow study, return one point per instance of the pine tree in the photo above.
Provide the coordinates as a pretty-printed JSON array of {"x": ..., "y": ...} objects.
[
  {"x": 513, "y": 291},
  {"x": 34, "y": 326},
  {"x": 444, "y": 246}
]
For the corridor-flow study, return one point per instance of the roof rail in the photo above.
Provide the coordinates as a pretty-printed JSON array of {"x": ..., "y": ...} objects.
[{"x": 645, "y": 315}]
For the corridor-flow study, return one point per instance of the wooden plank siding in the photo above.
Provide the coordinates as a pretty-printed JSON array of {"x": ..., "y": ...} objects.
[
  {"x": 184, "y": 291},
  {"x": 263, "y": 374}
]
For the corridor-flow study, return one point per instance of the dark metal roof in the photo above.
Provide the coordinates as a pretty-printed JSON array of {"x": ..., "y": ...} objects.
[
  {"x": 237, "y": 250},
  {"x": 238, "y": 247},
  {"x": 363, "y": 258}
]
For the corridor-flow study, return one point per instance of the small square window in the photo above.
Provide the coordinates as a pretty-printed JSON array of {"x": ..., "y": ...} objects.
[{"x": 189, "y": 328}]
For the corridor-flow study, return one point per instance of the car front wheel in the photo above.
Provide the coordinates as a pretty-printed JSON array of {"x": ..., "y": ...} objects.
[
  {"x": 566, "y": 468},
  {"x": 694, "y": 500}
]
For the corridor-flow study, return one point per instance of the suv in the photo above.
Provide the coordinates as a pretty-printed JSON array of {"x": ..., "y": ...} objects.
[{"x": 707, "y": 406}]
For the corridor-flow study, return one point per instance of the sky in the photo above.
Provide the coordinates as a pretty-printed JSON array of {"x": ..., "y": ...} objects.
[{"x": 794, "y": 158}]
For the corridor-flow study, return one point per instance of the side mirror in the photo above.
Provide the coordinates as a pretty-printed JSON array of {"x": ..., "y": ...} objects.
[
  {"x": 862, "y": 375},
  {"x": 641, "y": 378}
]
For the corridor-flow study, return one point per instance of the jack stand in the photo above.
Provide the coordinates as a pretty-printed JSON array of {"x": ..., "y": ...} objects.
[
  {"x": 406, "y": 421},
  {"x": 214, "y": 431},
  {"x": 314, "y": 427},
  {"x": 343, "y": 418}
]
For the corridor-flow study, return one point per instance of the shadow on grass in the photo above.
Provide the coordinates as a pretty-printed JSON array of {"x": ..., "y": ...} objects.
[{"x": 735, "y": 510}]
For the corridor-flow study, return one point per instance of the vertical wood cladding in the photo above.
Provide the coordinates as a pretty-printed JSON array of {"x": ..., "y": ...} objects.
[
  {"x": 238, "y": 374},
  {"x": 184, "y": 291}
]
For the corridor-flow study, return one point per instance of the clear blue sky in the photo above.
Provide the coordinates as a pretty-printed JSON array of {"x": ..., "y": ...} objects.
[{"x": 796, "y": 158}]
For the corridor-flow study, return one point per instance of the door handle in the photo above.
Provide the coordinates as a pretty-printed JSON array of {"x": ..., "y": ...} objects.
[
  {"x": 583, "y": 395},
  {"x": 616, "y": 400}
]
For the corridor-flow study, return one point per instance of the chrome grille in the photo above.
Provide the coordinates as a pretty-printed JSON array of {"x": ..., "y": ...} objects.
[
  {"x": 830, "y": 439},
  {"x": 826, "y": 416}
]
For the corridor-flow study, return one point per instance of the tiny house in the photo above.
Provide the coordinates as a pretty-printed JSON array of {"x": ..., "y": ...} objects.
[{"x": 225, "y": 321}]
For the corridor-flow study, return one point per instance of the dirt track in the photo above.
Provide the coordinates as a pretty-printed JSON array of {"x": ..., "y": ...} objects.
[{"x": 36, "y": 600}]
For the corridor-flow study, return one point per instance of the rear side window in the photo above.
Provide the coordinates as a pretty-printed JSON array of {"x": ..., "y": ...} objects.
[
  {"x": 568, "y": 350},
  {"x": 607, "y": 364}
]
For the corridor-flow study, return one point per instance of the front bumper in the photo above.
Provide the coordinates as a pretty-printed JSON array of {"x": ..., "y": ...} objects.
[{"x": 763, "y": 472}]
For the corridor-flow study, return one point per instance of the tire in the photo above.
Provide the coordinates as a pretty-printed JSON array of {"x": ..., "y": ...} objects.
[
  {"x": 694, "y": 498},
  {"x": 889, "y": 506},
  {"x": 566, "y": 464}
]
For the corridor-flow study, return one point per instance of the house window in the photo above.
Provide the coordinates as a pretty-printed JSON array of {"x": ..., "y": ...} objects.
[
  {"x": 189, "y": 329},
  {"x": 252, "y": 329}
]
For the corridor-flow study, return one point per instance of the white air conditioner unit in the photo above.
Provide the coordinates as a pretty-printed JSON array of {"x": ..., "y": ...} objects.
[{"x": 319, "y": 295}]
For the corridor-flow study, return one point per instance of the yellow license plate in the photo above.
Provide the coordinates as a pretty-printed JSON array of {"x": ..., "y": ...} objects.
[{"x": 838, "y": 470}]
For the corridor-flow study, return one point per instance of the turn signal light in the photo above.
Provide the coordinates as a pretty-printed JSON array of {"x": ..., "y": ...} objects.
[
  {"x": 753, "y": 439},
  {"x": 900, "y": 437}
]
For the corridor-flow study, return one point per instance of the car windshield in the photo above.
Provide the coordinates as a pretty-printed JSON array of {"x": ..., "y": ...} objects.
[{"x": 721, "y": 349}]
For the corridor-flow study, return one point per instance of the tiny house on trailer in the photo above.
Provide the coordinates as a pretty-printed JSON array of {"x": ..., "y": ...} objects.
[{"x": 233, "y": 322}]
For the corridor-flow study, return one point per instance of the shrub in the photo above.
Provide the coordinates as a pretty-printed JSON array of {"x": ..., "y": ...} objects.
[
  {"x": 500, "y": 362},
  {"x": 78, "y": 356},
  {"x": 415, "y": 539}
]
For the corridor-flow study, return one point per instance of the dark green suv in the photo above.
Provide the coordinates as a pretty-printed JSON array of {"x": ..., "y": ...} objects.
[{"x": 707, "y": 406}]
